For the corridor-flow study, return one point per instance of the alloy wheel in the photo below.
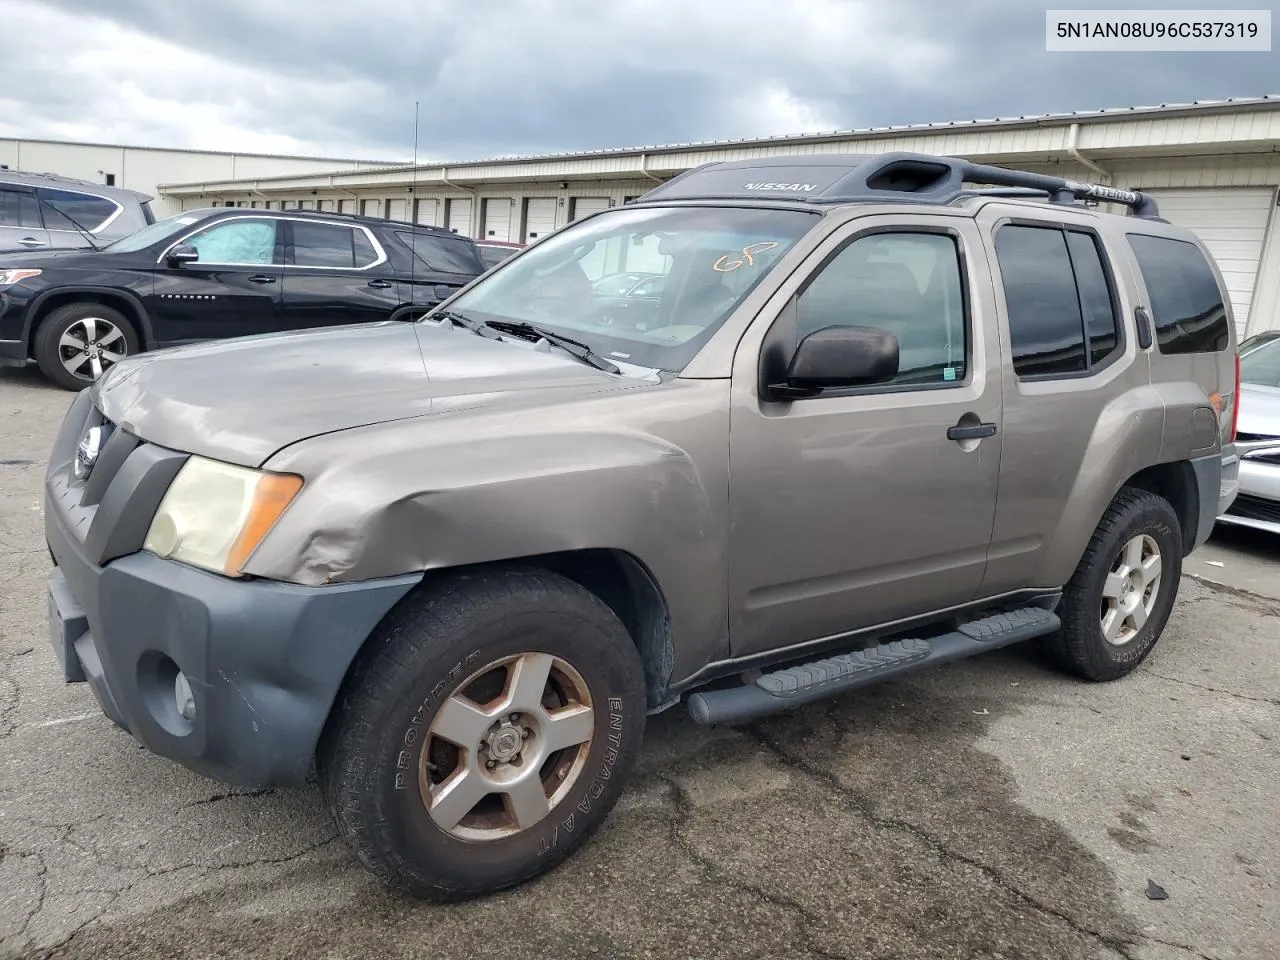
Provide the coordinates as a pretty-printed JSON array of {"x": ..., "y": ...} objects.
[
  {"x": 1130, "y": 591},
  {"x": 506, "y": 747},
  {"x": 89, "y": 346}
]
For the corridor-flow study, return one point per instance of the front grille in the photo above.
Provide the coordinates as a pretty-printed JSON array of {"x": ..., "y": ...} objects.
[
  {"x": 1249, "y": 507},
  {"x": 108, "y": 511}
]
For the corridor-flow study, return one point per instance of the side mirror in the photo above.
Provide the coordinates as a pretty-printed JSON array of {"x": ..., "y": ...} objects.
[
  {"x": 839, "y": 357},
  {"x": 183, "y": 253}
]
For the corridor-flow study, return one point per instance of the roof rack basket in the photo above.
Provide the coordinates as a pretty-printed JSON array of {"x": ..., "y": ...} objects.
[{"x": 871, "y": 178}]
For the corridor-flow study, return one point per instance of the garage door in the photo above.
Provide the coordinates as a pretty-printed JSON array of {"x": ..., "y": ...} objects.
[
  {"x": 460, "y": 216},
  {"x": 371, "y": 208},
  {"x": 426, "y": 211},
  {"x": 397, "y": 210},
  {"x": 1232, "y": 222},
  {"x": 539, "y": 217},
  {"x": 497, "y": 218},
  {"x": 585, "y": 206}
]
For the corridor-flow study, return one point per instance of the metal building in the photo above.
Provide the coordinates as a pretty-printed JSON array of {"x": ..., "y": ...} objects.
[
  {"x": 144, "y": 168},
  {"x": 1213, "y": 166}
]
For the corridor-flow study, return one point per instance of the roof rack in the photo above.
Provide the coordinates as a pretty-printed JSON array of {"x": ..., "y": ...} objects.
[
  {"x": 343, "y": 215},
  {"x": 898, "y": 177}
]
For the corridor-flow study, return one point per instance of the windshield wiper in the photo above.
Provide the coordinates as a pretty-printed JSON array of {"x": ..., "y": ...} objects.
[
  {"x": 467, "y": 323},
  {"x": 575, "y": 348}
]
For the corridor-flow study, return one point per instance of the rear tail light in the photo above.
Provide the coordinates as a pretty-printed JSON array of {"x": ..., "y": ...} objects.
[
  {"x": 1235, "y": 402},
  {"x": 1228, "y": 407}
]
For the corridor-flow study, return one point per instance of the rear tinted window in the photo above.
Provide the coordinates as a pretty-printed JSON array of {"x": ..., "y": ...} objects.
[
  {"x": 18, "y": 209},
  {"x": 330, "y": 245},
  {"x": 67, "y": 210},
  {"x": 1096, "y": 302},
  {"x": 442, "y": 253},
  {"x": 1186, "y": 305},
  {"x": 1062, "y": 317}
]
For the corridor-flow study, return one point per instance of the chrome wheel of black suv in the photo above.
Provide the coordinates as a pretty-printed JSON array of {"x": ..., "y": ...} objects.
[{"x": 79, "y": 342}]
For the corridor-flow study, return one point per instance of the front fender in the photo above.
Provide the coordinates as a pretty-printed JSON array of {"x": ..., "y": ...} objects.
[
  {"x": 431, "y": 494},
  {"x": 117, "y": 293}
]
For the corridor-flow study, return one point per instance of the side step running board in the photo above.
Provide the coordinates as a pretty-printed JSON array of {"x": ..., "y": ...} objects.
[{"x": 794, "y": 686}]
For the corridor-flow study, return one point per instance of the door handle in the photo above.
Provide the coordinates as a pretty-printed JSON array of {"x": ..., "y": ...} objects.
[
  {"x": 262, "y": 278},
  {"x": 32, "y": 242},
  {"x": 380, "y": 284},
  {"x": 971, "y": 431}
]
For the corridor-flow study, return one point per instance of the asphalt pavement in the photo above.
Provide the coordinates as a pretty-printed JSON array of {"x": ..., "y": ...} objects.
[{"x": 991, "y": 809}]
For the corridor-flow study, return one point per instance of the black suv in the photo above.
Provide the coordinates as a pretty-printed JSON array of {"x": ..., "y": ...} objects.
[{"x": 220, "y": 272}]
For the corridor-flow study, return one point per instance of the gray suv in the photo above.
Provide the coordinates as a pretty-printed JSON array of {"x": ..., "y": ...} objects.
[
  {"x": 875, "y": 420},
  {"x": 45, "y": 212}
]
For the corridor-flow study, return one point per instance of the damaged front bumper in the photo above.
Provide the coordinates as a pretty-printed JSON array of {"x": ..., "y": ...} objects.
[{"x": 231, "y": 678}]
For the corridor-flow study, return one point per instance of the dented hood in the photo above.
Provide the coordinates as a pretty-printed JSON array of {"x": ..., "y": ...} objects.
[{"x": 242, "y": 400}]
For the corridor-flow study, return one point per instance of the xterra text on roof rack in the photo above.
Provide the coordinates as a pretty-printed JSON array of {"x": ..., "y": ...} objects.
[{"x": 866, "y": 425}]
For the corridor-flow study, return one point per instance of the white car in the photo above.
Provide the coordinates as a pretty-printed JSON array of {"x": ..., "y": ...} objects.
[{"x": 1258, "y": 436}]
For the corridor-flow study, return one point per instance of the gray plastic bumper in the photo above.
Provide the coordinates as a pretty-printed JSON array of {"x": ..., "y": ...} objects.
[{"x": 263, "y": 660}]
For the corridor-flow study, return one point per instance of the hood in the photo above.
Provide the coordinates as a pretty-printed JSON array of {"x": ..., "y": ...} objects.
[
  {"x": 1259, "y": 411},
  {"x": 242, "y": 400}
]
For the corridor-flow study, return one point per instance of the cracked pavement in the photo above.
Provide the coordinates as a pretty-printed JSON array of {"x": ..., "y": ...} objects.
[{"x": 992, "y": 809}]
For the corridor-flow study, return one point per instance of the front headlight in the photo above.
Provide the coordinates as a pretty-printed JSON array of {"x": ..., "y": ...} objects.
[
  {"x": 9, "y": 277},
  {"x": 214, "y": 514}
]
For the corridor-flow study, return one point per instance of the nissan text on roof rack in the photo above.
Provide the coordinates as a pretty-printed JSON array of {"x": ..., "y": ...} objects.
[{"x": 889, "y": 412}]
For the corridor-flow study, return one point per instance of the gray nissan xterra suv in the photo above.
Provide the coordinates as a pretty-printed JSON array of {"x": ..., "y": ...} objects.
[{"x": 876, "y": 419}]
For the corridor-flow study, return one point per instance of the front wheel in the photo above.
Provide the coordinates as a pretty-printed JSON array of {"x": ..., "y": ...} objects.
[
  {"x": 77, "y": 343},
  {"x": 1120, "y": 597},
  {"x": 487, "y": 733}
]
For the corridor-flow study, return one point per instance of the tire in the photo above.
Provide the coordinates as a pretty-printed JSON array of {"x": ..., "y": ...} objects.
[
  {"x": 382, "y": 750},
  {"x": 1093, "y": 604},
  {"x": 80, "y": 321}
]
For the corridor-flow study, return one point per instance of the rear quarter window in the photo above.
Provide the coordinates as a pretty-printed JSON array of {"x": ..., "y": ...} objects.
[
  {"x": 1187, "y": 306},
  {"x": 443, "y": 254},
  {"x": 68, "y": 210}
]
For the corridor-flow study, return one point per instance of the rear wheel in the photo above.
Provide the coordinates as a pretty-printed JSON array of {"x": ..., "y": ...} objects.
[
  {"x": 487, "y": 735},
  {"x": 1119, "y": 600},
  {"x": 77, "y": 343}
]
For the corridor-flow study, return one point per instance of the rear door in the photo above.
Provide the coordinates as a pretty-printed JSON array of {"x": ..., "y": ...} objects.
[
  {"x": 335, "y": 273},
  {"x": 1070, "y": 367},
  {"x": 20, "y": 225},
  {"x": 233, "y": 290}
]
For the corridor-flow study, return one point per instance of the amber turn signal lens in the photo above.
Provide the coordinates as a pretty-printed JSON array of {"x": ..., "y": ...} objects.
[{"x": 275, "y": 491}]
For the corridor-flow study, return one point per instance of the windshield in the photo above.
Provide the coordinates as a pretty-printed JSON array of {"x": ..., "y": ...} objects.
[
  {"x": 575, "y": 282},
  {"x": 1261, "y": 365},
  {"x": 154, "y": 233}
]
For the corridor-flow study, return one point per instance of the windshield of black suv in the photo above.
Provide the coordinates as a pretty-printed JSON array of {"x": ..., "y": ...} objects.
[
  {"x": 160, "y": 230},
  {"x": 582, "y": 282}
]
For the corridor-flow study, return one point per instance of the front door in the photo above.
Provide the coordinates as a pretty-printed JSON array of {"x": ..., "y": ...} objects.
[
  {"x": 855, "y": 508},
  {"x": 233, "y": 290},
  {"x": 335, "y": 273}
]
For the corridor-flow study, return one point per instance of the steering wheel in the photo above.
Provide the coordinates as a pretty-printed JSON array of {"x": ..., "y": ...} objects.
[{"x": 551, "y": 306}]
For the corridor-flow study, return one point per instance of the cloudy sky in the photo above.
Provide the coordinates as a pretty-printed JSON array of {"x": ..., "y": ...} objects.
[{"x": 495, "y": 77}]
